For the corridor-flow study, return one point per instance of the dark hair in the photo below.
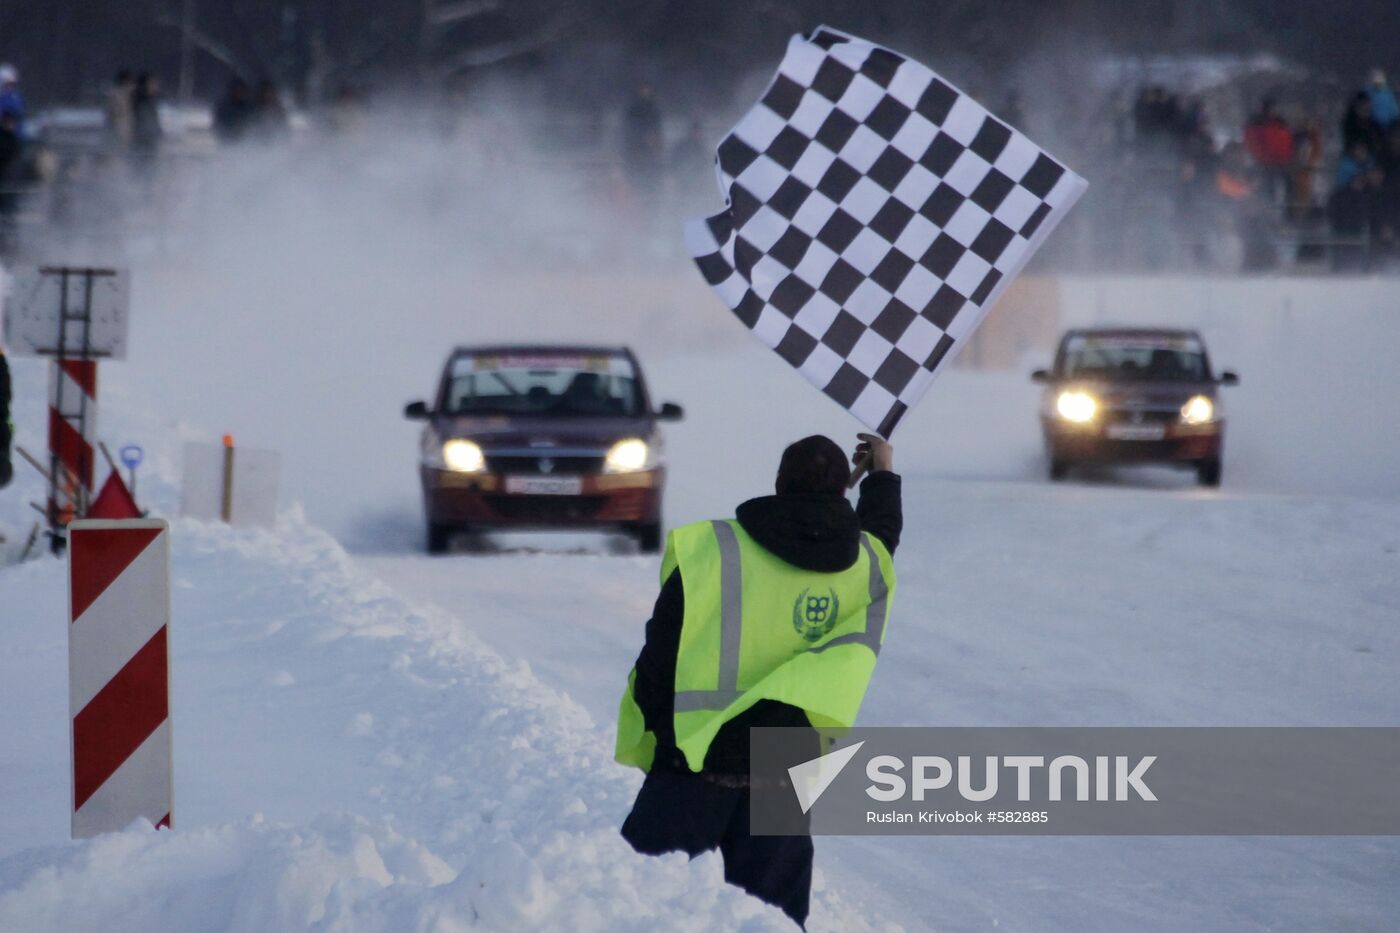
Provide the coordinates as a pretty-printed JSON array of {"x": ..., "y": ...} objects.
[
  {"x": 122, "y": 77},
  {"x": 813, "y": 465}
]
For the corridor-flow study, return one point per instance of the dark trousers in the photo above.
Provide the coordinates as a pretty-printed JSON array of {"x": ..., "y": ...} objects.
[
  {"x": 682, "y": 812},
  {"x": 6, "y": 469}
]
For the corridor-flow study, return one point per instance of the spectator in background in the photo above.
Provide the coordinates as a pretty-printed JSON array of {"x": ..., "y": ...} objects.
[
  {"x": 1154, "y": 115},
  {"x": 11, "y": 100},
  {"x": 1351, "y": 211},
  {"x": 1359, "y": 126},
  {"x": 146, "y": 131},
  {"x": 1385, "y": 111},
  {"x": 1307, "y": 160},
  {"x": 1269, "y": 139},
  {"x": 1234, "y": 179},
  {"x": 234, "y": 111},
  {"x": 1387, "y": 222},
  {"x": 121, "y": 120},
  {"x": 1244, "y": 211},
  {"x": 7, "y": 471},
  {"x": 347, "y": 112},
  {"x": 1357, "y": 160},
  {"x": 642, "y": 149},
  {"x": 11, "y": 177},
  {"x": 1191, "y": 119},
  {"x": 269, "y": 120},
  {"x": 1389, "y": 156},
  {"x": 1196, "y": 201}
]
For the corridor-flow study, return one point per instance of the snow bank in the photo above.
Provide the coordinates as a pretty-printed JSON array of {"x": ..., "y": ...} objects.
[{"x": 454, "y": 789}]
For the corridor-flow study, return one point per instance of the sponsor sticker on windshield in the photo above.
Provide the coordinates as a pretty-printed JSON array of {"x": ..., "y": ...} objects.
[
  {"x": 568, "y": 362},
  {"x": 1135, "y": 342}
]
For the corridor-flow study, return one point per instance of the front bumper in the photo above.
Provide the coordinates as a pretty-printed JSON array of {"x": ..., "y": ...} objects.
[
  {"x": 1091, "y": 443},
  {"x": 481, "y": 500}
]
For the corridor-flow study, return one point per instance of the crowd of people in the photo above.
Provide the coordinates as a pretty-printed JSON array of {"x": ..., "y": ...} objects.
[
  {"x": 1365, "y": 202},
  {"x": 133, "y": 116},
  {"x": 1277, "y": 191},
  {"x": 245, "y": 112},
  {"x": 1271, "y": 185},
  {"x": 75, "y": 172}
]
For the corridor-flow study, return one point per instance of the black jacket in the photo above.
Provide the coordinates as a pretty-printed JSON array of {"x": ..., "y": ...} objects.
[
  {"x": 4, "y": 398},
  {"x": 6, "y": 468},
  {"x": 817, "y": 532}
]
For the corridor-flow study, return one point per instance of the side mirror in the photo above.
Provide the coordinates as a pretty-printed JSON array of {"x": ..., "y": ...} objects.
[
  {"x": 1228, "y": 378},
  {"x": 1041, "y": 376},
  {"x": 670, "y": 411},
  {"x": 417, "y": 411}
]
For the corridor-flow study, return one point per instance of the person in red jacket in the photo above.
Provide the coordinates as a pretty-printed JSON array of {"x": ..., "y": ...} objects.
[{"x": 1269, "y": 139}]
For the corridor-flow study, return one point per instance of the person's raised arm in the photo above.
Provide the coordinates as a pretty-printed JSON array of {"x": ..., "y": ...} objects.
[{"x": 878, "y": 507}]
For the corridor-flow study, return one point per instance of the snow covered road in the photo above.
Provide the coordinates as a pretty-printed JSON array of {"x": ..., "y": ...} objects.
[
  {"x": 344, "y": 761},
  {"x": 369, "y": 739},
  {"x": 1027, "y": 604}
]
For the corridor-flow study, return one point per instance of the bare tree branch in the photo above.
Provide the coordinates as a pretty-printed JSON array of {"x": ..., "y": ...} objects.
[
  {"x": 452, "y": 11},
  {"x": 207, "y": 44},
  {"x": 504, "y": 51}
]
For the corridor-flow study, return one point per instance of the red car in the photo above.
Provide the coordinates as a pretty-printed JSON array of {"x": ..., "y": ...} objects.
[
  {"x": 542, "y": 437},
  {"x": 1120, "y": 395}
]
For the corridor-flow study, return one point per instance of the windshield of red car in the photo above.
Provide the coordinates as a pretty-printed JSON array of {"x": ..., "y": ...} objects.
[
  {"x": 1166, "y": 359},
  {"x": 543, "y": 384}
]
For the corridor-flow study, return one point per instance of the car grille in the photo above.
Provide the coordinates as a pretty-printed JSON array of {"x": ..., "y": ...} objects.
[
  {"x": 535, "y": 465},
  {"x": 545, "y": 508},
  {"x": 1138, "y": 416}
]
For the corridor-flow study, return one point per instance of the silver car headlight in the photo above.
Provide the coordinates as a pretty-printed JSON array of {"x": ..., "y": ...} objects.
[
  {"x": 463, "y": 456},
  {"x": 632, "y": 455},
  {"x": 456, "y": 454},
  {"x": 1076, "y": 406},
  {"x": 1199, "y": 409}
]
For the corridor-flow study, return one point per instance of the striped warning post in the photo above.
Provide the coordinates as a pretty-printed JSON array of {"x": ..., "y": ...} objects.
[
  {"x": 119, "y": 674},
  {"x": 73, "y": 431}
]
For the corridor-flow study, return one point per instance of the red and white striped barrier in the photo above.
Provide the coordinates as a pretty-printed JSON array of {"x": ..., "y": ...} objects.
[
  {"x": 119, "y": 674},
  {"x": 73, "y": 431}
]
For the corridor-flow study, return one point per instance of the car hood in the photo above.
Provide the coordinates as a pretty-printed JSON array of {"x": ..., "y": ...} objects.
[
  {"x": 1143, "y": 395},
  {"x": 496, "y": 431}
]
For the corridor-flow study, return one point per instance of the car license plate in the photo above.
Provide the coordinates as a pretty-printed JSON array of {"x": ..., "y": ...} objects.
[
  {"x": 1136, "y": 432},
  {"x": 544, "y": 485}
]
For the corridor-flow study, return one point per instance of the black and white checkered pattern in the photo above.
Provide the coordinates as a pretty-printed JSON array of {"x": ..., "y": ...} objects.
[{"x": 875, "y": 213}]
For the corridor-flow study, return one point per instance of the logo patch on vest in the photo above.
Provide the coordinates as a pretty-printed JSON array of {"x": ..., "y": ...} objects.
[{"x": 814, "y": 616}]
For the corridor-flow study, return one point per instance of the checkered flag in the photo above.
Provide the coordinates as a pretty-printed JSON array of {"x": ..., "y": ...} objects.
[{"x": 875, "y": 213}]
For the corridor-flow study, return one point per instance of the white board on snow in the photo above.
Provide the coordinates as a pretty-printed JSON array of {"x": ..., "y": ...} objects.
[
  {"x": 36, "y": 304},
  {"x": 255, "y": 476}
]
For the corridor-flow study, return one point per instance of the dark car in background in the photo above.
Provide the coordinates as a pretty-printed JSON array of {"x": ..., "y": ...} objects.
[
  {"x": 542, "y": 437},
  {"x": 1133, "y": 395}
]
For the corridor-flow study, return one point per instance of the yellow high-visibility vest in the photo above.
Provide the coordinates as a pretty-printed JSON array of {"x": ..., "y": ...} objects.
[{"x": 758, "y": 628}]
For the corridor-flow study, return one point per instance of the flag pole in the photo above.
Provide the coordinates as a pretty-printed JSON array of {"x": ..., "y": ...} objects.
[
  {"x": 886, "y": 428},
  {"x": 861, "y": 468}
]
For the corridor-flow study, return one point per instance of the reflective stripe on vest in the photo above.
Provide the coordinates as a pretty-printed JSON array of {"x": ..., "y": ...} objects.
[
  {"x": 828, "y": 685},
  {"x": 732, "y": 622}
]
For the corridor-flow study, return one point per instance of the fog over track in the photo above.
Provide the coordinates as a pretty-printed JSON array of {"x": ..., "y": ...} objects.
[{"x": 299, "y": 297}]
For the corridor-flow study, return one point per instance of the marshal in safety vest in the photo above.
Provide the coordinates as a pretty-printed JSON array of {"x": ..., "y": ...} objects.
[{"x": 758, "y": 628}]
